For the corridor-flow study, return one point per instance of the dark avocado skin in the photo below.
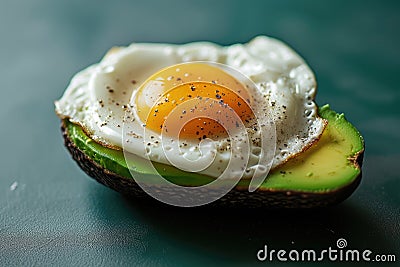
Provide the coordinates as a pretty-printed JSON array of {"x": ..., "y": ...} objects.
[{"x": 237, "y": 197}]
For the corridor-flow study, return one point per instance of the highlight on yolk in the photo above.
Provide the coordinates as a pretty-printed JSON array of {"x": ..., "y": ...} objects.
[{"x": 164, "y": 91}]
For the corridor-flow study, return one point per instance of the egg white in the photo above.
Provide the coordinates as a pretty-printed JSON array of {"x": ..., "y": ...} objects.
[{"x": 99, "y": 98}]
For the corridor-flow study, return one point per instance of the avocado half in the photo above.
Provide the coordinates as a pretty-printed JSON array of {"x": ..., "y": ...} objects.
[{"x": 323, "y": 175}]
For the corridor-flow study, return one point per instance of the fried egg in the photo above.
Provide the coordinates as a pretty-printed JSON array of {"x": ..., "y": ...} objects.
[{"x": 197, "y": 105}]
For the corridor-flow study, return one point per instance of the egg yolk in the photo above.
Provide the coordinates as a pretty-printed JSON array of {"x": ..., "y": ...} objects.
[{"x": 167, "y": 89}]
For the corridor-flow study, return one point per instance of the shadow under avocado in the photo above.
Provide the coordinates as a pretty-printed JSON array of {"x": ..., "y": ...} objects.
[{"x": 236, "y": 234}]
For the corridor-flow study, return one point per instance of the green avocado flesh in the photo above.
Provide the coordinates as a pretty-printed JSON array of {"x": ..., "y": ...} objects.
[{"x": 328, "y": 165}]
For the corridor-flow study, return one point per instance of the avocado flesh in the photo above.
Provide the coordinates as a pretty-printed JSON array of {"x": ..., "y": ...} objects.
[{"x": 330, "y": 164}]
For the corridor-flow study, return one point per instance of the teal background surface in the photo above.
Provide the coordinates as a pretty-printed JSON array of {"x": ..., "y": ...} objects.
[{"x": 52, "y": 214}]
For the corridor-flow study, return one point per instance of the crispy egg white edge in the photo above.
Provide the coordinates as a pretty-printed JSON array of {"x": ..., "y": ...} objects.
[{"x": 279, "y": 73}]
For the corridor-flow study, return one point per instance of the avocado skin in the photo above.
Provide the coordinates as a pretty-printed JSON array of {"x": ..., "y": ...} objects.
[{"x": 270, "y": 199}]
